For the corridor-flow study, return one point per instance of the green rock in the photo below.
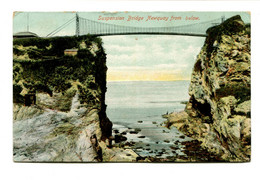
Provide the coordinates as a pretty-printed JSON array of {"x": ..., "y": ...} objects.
[{"x": 243, "y": 108}]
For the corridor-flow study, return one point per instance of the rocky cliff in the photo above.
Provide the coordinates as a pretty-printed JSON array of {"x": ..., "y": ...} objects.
[
  {"x": 218, "y": 111},
  {"x": 59, "y": 112}
]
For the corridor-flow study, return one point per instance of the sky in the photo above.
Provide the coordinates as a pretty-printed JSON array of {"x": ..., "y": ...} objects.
[
  {"x": 133, "y": 57},
  {"x": 151, "y": 58}
]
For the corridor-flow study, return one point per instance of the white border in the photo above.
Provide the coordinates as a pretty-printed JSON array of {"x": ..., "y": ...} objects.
[{"x": 10, "y": 170}]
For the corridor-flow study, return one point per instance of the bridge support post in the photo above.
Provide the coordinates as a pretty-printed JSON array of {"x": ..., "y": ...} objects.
[
  {"x": 222, "y": 19},
  {"x": 77, "y": 24}
]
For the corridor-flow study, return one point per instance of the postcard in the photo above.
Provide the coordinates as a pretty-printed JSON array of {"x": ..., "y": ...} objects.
[{"x": 132, "y": 87}]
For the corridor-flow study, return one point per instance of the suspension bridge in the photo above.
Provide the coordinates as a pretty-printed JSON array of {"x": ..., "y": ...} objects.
[{"x": 86, "y": 26}]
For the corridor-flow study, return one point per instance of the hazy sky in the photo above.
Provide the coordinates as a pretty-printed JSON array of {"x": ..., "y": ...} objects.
[
  {"x": 134, "y": 57},
  {"x": 151, "y": 57}
]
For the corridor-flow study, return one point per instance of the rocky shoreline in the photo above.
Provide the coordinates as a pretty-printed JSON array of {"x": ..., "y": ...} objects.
[{"x": 191, "y": 150}]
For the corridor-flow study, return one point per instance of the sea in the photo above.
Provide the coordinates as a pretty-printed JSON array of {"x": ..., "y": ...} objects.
[{"x": 136, "y": 107}]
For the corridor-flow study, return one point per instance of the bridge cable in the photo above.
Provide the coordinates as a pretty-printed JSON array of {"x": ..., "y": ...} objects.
[
  {"x": 108, "y": 28},
  {"x": 60, "y": 27}
]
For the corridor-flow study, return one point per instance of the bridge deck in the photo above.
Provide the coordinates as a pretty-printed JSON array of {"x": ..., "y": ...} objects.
[{"x": 149, "y": 33}]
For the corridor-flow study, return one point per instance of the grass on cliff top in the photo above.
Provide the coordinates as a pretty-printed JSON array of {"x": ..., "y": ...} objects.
[
  {"x": 51, "y": 46},
  {"x": 57, "y": 73}
]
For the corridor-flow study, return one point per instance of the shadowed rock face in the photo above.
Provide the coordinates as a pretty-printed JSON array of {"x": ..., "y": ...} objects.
[
  {"x": 218, "y": 112},
  {"x": 59, "y": 101}
]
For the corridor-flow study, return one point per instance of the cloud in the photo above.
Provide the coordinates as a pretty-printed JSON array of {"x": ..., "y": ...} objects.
[
  {"x": 147, "y": 54},
  {"x": 171, "y": 66},
  {"x": 124, "y": 49},
  {"x": 160, "y": 67}
]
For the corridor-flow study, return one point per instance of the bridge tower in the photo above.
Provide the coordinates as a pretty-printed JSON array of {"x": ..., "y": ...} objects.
[
  {"x": 222, "y": 19},
  {"x": 77, "y": 24}
]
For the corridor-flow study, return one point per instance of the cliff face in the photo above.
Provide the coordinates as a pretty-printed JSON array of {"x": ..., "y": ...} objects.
[
  {"x": 218, "y": 112},
  {"x": 59, "y": 100}
]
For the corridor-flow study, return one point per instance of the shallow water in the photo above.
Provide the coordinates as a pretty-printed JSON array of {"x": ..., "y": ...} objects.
[{"x": 136, "y": 109}]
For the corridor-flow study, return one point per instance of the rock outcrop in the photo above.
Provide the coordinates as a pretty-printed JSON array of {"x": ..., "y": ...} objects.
[
  {"x": 59, "y": 100},
  {"x": 218, "y": 111}
]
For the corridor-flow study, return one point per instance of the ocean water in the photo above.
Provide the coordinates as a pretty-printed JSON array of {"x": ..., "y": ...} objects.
[{"x": 139, "y": 106}]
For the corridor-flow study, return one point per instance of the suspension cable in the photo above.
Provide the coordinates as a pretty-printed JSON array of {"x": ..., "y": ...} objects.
[{"x": 60, "y": 27}]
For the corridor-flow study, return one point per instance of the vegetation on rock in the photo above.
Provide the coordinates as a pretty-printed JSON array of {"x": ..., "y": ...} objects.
[
  {"x": 59, "y": 100},
  {"x": 218, "y": 112}
]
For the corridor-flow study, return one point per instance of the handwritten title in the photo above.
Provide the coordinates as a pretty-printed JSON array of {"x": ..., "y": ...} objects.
[{"x": 148, "y": 18}]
